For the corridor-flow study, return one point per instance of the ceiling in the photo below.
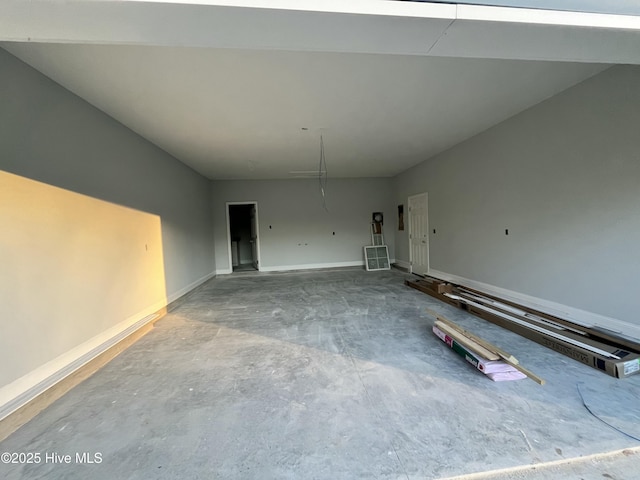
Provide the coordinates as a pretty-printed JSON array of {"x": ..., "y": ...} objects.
[
  {"x": 624, "y": 7},
  {"x": 386, "y": 88}
]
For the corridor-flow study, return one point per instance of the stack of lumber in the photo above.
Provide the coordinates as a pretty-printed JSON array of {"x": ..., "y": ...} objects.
[
  {"x": 613, "y": 352},
  {"x": 495, "y": 363},
  {"x": 436, "y": 288}
]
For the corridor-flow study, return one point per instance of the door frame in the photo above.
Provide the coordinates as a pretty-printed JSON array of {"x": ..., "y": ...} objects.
[
  {"x": 255, "y": 204},
  {"x": 409, "y": 233}
]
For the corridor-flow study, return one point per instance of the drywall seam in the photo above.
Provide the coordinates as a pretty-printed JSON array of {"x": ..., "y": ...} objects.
[
  {"x": 576, "y": 315},
  {"x": 26, "y": 388}
]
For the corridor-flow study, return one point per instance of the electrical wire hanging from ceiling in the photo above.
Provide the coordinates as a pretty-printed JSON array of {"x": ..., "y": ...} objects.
[{"x": 322, "y": 174}]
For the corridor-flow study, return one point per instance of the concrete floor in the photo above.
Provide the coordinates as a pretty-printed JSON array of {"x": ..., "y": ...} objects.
[{"x": 328, "y": 375}]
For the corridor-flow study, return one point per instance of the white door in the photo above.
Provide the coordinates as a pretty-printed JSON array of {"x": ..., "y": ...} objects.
[
  {"x": 419, "y": 234},
  {"x": 254, "y": 237}
]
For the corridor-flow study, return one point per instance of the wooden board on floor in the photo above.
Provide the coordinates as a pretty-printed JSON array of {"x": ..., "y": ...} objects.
[
  {"x": 426, "y": 287},
  {"x": 502, "y": 355},
  {"x": 466, "y": 342}
]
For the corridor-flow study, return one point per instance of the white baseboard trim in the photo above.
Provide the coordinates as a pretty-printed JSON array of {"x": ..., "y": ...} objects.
[
  {"x": 312, "y": 266},
  {"x": 21, "y": 391},
  {"x": 307, "y": 266},
  {"x": 176, "y": 295},
  {"x": 403, "y": 264},
  {"x": 576, "y": 315}
]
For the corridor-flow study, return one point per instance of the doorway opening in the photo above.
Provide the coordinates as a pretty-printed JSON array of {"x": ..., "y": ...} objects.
[{"x": 242, "y": 234}]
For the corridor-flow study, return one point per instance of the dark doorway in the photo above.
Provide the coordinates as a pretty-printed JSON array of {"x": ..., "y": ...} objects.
[{"x": 243, "y": 237}]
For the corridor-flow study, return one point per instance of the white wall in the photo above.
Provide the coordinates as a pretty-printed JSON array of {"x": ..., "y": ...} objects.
[
  {"x": 564, "y": 178},
  {"x": 301, "y": 233},
  {"x": 99, "y": 227}
]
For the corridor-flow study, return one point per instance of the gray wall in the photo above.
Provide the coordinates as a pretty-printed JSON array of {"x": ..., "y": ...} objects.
[
  {"x": 301, "y": 230},
  {"x": 52, "y": 136},
  {"x": 564, "y": 178}
]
